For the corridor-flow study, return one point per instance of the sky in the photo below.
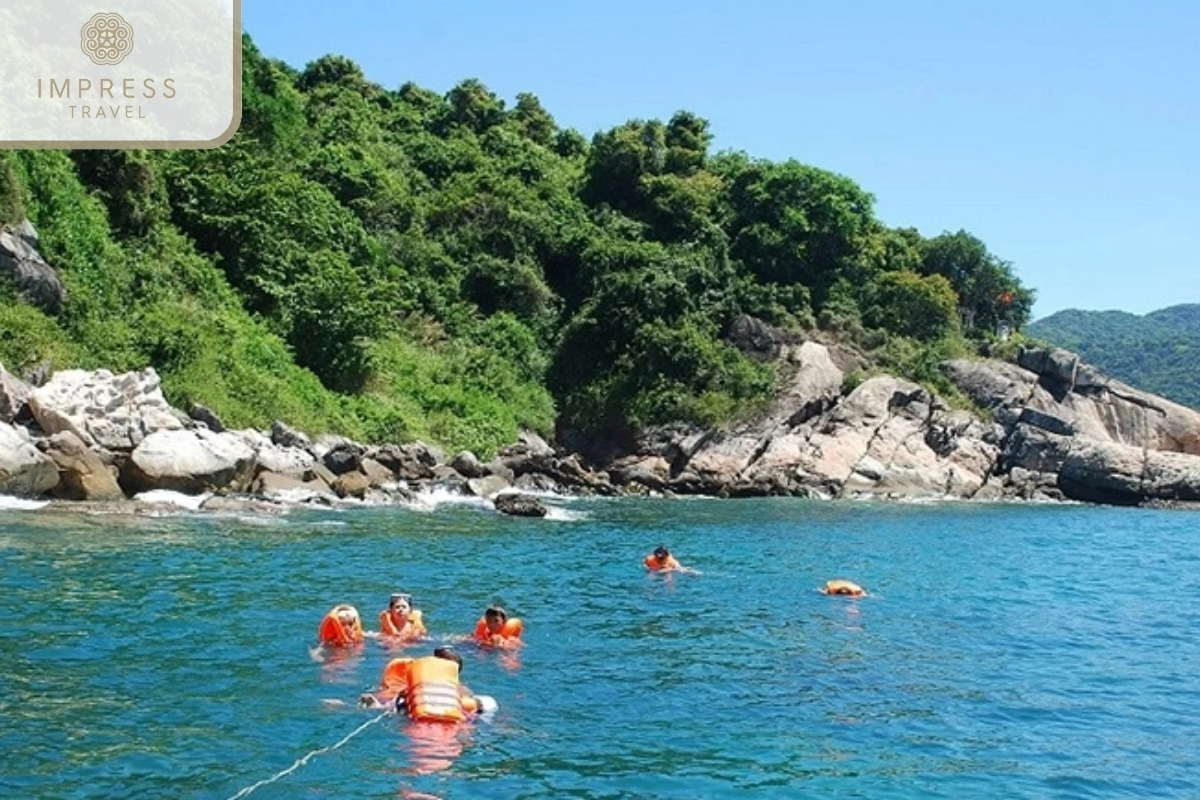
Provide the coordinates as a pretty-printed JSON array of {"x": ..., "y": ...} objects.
[{"x": 1063, "y": 133}]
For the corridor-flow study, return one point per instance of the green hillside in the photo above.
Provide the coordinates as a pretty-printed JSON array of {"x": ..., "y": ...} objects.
[
  {"x": 1158, "y": 352},
  {"x": 394, "y": 263}
]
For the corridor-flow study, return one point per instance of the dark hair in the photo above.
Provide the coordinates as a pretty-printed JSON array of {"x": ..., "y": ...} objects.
[
  {"x": 496, "y": 611},
  {"x": 661, "y": 552},
  {"x": 449, "y": 654}
]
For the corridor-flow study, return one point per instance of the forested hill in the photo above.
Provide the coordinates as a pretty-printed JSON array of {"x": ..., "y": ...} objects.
[
  {"x": 1158, "y": 352},
  {"x": 394, "y": 263}
]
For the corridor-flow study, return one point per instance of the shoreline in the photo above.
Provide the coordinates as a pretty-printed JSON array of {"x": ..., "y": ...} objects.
[{"x": 1055, "y": 430}]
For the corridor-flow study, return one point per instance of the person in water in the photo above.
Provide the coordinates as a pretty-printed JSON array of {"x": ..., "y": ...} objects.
[
  {"x": 661, "y": 560},
  {"x": 400, "y": 620},
  {"x": 843, "y": 587},
  {"x": 495, "y": 629},
  {"x": 341, "y": 627},
  {"x": 427, "y": 689}
]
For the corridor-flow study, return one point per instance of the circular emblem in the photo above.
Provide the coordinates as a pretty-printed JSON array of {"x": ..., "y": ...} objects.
[{"x": 106, "y": 39}]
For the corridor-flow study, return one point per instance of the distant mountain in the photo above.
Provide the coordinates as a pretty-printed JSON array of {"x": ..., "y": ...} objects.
[{"x": 1158, "y": 352}]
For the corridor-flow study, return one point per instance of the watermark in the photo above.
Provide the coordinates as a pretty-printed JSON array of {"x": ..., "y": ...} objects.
[
  {"x": 107, "y": 39},
  {"x": 120, "y": 73}
]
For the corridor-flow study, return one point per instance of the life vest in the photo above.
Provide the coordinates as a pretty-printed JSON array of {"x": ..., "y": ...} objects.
[
  {"x": 433, "y": 690},
  {"x": 414, "y": 627},
  {"x": 512, "y": 629},
  {"x": 654, "y": 564},
  {"x": 334, "y": 633},
  {"x": 395, "y": 678}
]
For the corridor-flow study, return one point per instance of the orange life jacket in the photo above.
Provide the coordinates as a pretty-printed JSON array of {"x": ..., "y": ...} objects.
[
  {"x": 512, "y": 629},
  {"x": 414, "y": 627},
  {"x": 433, "y": 690},
  {"x": 653, "y": 563},
  {"x": 334, "y": 633},
  {"x": 395, "y": 678}
]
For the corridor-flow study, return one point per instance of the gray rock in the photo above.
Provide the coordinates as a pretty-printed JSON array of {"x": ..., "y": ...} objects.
[
  {"x": 519, "y": 505},
  {"x": 28, "y": 273},
  {"x": 344, "y": 457},
  {"x": 23, "y": 469},
  {"x": 14, "y": 394},
  {"x": 487, "y": 486},
  {"x": 114, "y": 412},
  {"x": 188, "y": 461},
  {"x": 207, "y": 416},
  {"x": 284, "y": 435},
  {"x": 466, "y": 464}
]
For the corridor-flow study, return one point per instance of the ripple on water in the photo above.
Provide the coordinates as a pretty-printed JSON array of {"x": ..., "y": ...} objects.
[{"x": 1003, "y": 651}]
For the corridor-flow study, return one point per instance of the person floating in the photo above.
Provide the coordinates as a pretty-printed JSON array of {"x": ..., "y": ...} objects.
[
  {"x": 661, "y": 560},
  {"x": 843, "y": 587},
  {"x": 400, "y": 620},
  {"x": 341, "y": 627},
  {"x": 495, "y": 629},
  {"x": 428, "y": 689}
]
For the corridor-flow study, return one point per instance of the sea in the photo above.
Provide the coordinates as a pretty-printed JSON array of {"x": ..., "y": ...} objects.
[{"x": 1002, "y": 650}]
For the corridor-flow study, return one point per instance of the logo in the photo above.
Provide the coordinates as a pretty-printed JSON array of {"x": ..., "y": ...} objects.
[{"x": 106, "y": 39}]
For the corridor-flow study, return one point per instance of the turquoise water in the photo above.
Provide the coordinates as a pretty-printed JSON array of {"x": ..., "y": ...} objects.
[{"x": 1005, "y": 651}]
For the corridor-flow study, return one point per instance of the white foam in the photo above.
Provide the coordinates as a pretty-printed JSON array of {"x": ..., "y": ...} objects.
[
  {"x": 165, "y": 497},
  {"x": 8, "y": 503},
  {"x": 565, "y": 514},
  {"x": 431, "y": 499}
]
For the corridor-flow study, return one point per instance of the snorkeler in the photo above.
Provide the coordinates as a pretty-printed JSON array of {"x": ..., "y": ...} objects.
[
  {"x": 495, "y": 629},
  {"x": 400, "y": 620},
  {"x": 341, "y": 627},
  {"x": 661, "y": 560},
  {"x": 428, "y": 689},
  {"x": 843, "y": 587}
]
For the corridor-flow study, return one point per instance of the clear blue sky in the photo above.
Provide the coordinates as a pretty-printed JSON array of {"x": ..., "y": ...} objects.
[{"x": 1064, "y": 133}]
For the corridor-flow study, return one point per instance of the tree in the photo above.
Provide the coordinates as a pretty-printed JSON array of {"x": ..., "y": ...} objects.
[
  {"x": 474, "y": 106},
  {"x": 793, "y": 223},
  {"x": 911, "y": 305},
  {"x": 533, "y": 120},
  {"x": 988, "y": 291}
]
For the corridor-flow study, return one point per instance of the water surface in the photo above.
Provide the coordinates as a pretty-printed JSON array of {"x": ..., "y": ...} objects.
[{"x": 1004, "y": 651}]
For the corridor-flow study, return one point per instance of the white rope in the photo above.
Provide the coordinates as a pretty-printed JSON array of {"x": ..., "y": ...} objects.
[{"x": 301, "y": 762}]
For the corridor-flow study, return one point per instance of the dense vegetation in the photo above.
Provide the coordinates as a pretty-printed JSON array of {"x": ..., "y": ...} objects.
[
  {"x": 393, "y": 264},
  {"x": 1157, "y": 352}
]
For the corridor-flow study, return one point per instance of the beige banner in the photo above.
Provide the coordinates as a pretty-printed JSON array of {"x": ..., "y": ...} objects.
[{"x": 120, "y": 74}]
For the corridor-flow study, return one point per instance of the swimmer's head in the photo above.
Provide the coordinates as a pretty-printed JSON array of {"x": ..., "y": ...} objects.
[
  {"x": 661, "y": 553},
  {"x": 449, "y": 654},
  {"x": 401, "y": 602},
  {"x": 496, "y": 612}
]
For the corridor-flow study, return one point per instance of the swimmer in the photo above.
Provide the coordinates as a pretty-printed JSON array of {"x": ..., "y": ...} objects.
[
  {"x": 341, "y": 627},
  {"x": 841, "y": 587},
  {"x": 495, "y": 629},
  {"x": 400, "y": 620},
  {"x": 661, "y": 560},
  {"x": 427, "y": 689}
]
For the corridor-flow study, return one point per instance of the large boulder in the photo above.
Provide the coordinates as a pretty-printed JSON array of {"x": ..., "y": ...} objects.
[
  {"x": 519, "y": 505},
  {"x": 26, "y": 271},
  {"x": 410, "y": 462},
  {"x": 816, "y": 385},
  {"x": 23, "y": 469},
  {"x": 271, "y": 457},
  {"x": 14, "y": 394},
  {"x": 191, "y": 461},
  {"x": 82, "y": 473},
  {"x": 114, "y": 412}
]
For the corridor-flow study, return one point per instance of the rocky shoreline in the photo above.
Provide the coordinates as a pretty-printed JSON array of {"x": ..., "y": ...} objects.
[{"x": 1052, "y": 429}]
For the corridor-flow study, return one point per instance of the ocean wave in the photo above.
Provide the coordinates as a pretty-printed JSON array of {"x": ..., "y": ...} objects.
[
  {"x": 192, "y": 502},
  {"x": 9, "y": 503}
]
